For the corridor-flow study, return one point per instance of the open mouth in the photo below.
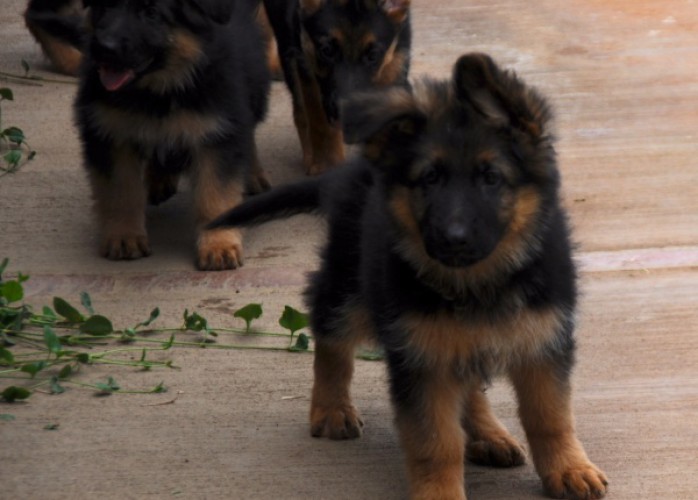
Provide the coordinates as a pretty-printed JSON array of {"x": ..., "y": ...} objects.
[{"x": 114, "y": 78}]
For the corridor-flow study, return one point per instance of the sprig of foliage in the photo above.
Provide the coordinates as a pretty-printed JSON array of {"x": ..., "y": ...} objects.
[
  {"x": 50, "y": 348},
  {"x": 13, "y": 142}
]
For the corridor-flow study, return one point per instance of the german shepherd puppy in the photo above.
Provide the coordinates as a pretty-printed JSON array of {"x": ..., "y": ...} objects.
[
  {"x": 329, "y": 48},
  {"x": 448, "y": 244},
  {"x": 170, "y": 86},
  {"x": 58, "y": 26}
]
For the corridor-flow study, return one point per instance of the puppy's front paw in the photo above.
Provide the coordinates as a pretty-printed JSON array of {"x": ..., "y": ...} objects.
[
  {"x": 340, "y": 422},
  {"x": 504, "y": 451},
  {"x": 219, "y": 249},
  {"x": 125, "y": 246},
  {"x": 578, "y": 481}
]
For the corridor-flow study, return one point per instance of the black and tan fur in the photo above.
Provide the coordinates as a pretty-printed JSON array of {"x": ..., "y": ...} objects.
[
  {"x": 171, "y": 87},
  {"x": 447, "y": 243},
  {"x": 330, "y": 48},
  {"x": 58, "y": 26}
]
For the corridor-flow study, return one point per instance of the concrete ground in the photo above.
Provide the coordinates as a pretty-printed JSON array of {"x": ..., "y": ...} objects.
[{"x": 623, "y": 76}]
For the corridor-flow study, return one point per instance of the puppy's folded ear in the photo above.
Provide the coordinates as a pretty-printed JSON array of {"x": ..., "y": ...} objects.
[
  {"x": 499, "y": 95},
  {"x": 387, "y": 122},
  {"x": 396, "y": 10}
]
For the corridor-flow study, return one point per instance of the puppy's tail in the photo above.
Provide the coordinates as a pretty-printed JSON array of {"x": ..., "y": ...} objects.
[{"x": 281, "y": 202}]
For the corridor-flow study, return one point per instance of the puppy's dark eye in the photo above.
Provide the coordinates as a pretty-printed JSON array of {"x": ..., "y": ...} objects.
[
  {"x": 328, "y": 50},
  {"x": 491, "y": 177},
  {"x": 372, "y": 54},
  {"x": 150, "y": 9},
  {"x": 431, "y": 176}
]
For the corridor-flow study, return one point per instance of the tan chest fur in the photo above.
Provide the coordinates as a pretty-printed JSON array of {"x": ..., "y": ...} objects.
[
  {"x": 179, "y": 127},
  {"x": 445, "y": 339}
]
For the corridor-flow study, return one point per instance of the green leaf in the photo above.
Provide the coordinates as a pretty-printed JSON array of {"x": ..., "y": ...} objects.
[
  {"x": 51, "y": 340},
  {"x": 6, "y": 93},
  {"x": 12, "y": 291},
  {"x": 83, "y": 357},
  {"x": 63, "y": 308},
  {"x": 302, "y": 343},
  {"x": 48, "y": 312},
  {"x": 65, "y": 372},
  {"x": 14, "y": 393},
  {"x": 153, "y": 316},
  {"x": 51, "y": 427},
  {"x": 368, "y": 355},
  {"x": 160, "y": 388},
  {"x": 128, "y": 335},
  {"x": 249, "y": 313},
  {"x": 6, "y": 417},
  {"x": 195, "y": 322},
  {"x": 33, "y": 368},
  {"x": 293, "y": 320},
  {"x": 13, "y": 157},
  {"x": 108, "y": 387},
  {"x": 3, "y": 266},
  {"x": 97, "y": 325},
  {"x": 6, "y": 357},
  {"x": 56, "y": 388},
  {"x": 14, "y": 134},
  {"x": 86, "y": 302}
]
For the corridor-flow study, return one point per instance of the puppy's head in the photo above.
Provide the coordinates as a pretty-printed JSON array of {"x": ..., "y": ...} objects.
[
  {"x": 354, "y": 45},
  {"x": 130, "y": 38},
  {"x": 467, "y": 164}
]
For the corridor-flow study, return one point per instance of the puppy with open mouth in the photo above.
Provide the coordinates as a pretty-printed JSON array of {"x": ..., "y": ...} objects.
[{"x": 171, "y": 87}]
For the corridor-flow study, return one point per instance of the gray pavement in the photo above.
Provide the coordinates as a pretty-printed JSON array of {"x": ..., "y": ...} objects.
[{"x": 233, "y": 424}]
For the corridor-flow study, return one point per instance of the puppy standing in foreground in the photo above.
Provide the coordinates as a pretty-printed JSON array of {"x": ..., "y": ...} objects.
[
  {"x": 168, "y": 87},
  {"x": 448, "y": 244}
]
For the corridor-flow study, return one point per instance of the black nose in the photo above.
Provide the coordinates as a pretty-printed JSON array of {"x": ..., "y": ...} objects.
[{"x": 457, "y": 233}]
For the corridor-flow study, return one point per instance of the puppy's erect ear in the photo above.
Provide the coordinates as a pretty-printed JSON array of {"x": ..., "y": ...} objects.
[
  {"x": 387, "y": 122},
  {"x": 499, "y": 95},
  {"x": 397, "y": 10}
]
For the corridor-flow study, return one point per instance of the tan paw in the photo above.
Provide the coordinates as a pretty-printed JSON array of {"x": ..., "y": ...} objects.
[
  {"x": 117, "y": 246},
  {"x": 504, "y": 451},
  {"x": 582, "y": 481},
  {"x": 343, "y": 422},
  {"x": 219, "y": 249}
]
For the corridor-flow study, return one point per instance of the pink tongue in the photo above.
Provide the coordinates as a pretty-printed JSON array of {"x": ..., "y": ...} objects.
[{"x": 113, "y": 79}]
